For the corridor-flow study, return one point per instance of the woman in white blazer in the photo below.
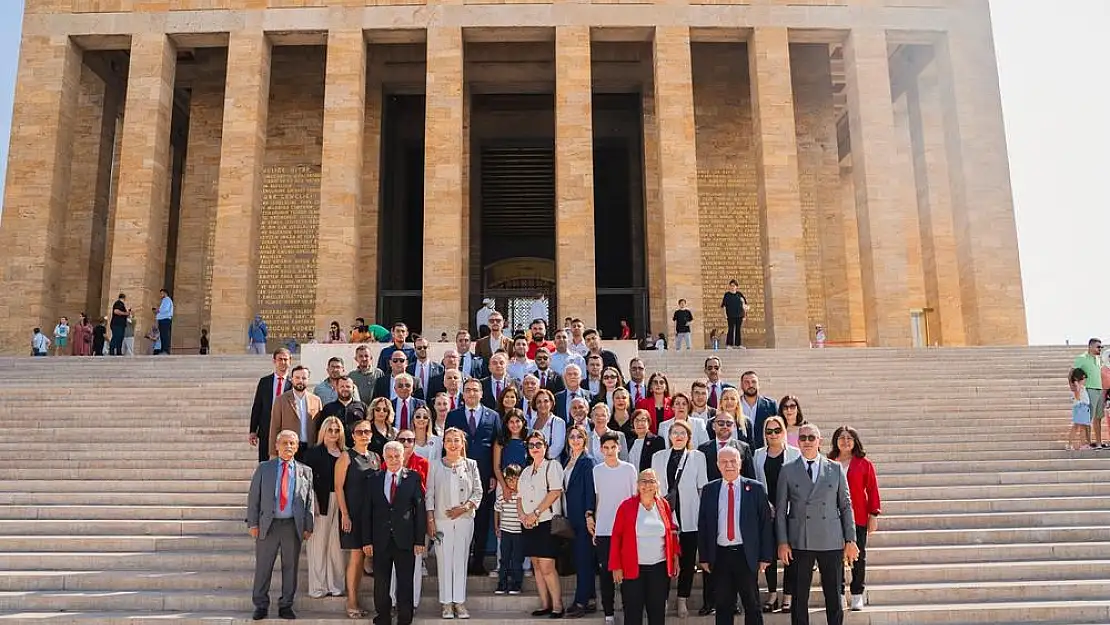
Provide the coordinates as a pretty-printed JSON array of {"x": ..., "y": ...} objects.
[
  {"x": 681, "y": 471},
  {"x": 768, "y": 462}
]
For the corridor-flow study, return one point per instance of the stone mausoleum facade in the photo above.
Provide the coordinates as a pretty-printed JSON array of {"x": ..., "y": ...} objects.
[{"x": 311, "y": 160}]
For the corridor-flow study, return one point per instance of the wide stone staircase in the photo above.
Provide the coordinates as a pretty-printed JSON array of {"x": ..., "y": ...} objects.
[{"x": 123, "y": 484}]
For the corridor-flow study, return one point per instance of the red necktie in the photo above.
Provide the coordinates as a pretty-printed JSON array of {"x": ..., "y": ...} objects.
[
  {"x": 723, "y": 443},
  {"x": 731, "y": 533},
  {"x": 639, "y": 392},
  {"x": 404, "y": 414},
  {"x": 713, "y": 395},
  {"x": 280, "y": 386},
  {"x": 452, "y": 402},
  {"x": 393, "y": 491},
  {"x": 283, "y": 498}
]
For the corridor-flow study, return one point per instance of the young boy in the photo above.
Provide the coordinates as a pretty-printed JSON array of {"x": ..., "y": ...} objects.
[
  {"x": 682, "y": 318},
  {"x": 507, "y": 527},
  {"x": 40, "y": 345}
]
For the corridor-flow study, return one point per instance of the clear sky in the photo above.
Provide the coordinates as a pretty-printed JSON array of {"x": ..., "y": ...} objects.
[{"x": 1056, "y": 102}]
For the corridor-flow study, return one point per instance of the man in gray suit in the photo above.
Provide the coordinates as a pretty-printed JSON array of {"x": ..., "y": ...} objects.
[
  {"x": 279, "y": 518},
  {"x": 814, "y": 523}
]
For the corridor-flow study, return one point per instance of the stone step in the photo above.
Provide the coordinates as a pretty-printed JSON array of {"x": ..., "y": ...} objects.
[
  {"x": 141, "y": 514},
  {"x": 11, "y": 502},
  {"x": 1013, "y": 477},
  {"x": 997, "y": 520},
  {"x": 1001, "y": 552},
  {"x": 967, "y": 506},
  {"x": 986, "y": 536},
  {"x": 139, "y": 525}
]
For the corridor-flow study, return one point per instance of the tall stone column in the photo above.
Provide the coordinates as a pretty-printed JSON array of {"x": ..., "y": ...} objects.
[
  {"x": 341, "y": 180},
  {"x": 934, "y": 205},
  {"x": 369, "y": 237},
  {"x": 575, "y": 270},
  {"x": 876, "y": 173},
  {"x": 678, "y": 184},
  {"x": 37, "y": 191},
  {"x": 982, "y": 201},
  {"x": 780, "y": 202},
  {"x": 142, "y": 204},
  {"x": 242, "y": 150},
  {"x": 444, "y": 287}
]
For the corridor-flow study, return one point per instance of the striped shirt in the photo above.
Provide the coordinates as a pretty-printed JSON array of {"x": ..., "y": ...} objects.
[{"x": 509, "y": 511}]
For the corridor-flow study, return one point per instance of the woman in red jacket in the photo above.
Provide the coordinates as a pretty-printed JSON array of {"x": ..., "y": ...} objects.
[
  {"x": 643, "y": 552},
  {"x": 658, "y": 402},
  {"x": 864, "y": 490}
]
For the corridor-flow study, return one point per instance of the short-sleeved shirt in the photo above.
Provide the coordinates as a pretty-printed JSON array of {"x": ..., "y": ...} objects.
[
  {"x": 733, "y": 304},
  {"x": 682, "y": 318},
  {"x": 612, "y": 486},
  {"x": 507, "y": 508},
  {"x": 1092, "y": 367},
  {"x": 535, "y": 484}
]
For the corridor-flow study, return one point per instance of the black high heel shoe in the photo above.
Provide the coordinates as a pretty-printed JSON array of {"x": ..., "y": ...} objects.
[{"x": 541, "y": 612}]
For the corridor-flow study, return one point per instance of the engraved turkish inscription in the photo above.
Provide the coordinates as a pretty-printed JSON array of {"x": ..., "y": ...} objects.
[{"x": 287, "y": 245}]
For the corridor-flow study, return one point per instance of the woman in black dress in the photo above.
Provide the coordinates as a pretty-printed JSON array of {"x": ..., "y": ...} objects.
[
  {"x": 350, "y": 479},
  {"x": 381, "y": 419}
]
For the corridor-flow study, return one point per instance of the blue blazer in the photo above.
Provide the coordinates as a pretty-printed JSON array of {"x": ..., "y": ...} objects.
[
  {"x": 756, "y": 527},
  {"x": 561, "y": 402},
  {"x": 764, "y": 407},
  {"x": 479, "y": 444},
  {"x": 579, "y": 493}
]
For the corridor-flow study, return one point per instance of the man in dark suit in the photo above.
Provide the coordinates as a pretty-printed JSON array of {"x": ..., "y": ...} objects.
[
  {"x": 404, "y": 404},
  {"x": 471, "y": 365},
  {"x": 483, "y": 426},
  {"x": 279, "y": 518},
  {"x": 394, "y": 523},
  {"x": 399, "y": 334},
  {"x": 593, "y": 342},
  {"x": 498, "y": 380},
  {"x": 548, "y": 377},
  {"x": 714, "y": 384},
  {"x": 269, "y": 387},
  {"x": 572, "y": 378},
  {"x": 755, "y": 406},
  {"x": 425, "y": 370},
  {"x": 814, "y": 523},
  {"x": 735, "y": 539},
  {"x": 386, "y": 386},
  {"x": 723, "y": 437}
]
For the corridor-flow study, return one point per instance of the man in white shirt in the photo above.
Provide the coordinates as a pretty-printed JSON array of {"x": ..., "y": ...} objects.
[
  {"x": 470, "y": 365},
  {"x": 164, "y": 316},
  {"x": 481, "y": 318},
  {"x": 563, "y": 356},
  {"x": 528, "y": 388},
  {"x": 452, "y": 387},
  {"x": 520, "y": 365},
  {"x": 593, "y": 374},
  {"x": 577, "y": 340},
  {"x": 699, "y": 403},
  {"x": 614, "y": 482},
  {"x": 426, "y": 371}
]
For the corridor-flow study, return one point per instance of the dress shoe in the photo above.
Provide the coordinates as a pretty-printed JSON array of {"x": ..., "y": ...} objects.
[
  {"x": 707, "y": 610},
  {"x": 287, "y": 614},
  {"x": 259, "y": 614},
  {"x": 575, "y": 611}
]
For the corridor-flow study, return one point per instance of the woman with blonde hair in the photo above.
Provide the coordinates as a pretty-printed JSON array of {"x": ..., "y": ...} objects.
[
  {"x": 454, "y": 494},
  {"x": 769, "y": 461},
  {"x": 730, "y": 403},
  {"x": 380, "y": 414},
  {"x": 428, "y": 443},
  {"x": 325, "y": 556},
  {"x": 351, "y": 471}
]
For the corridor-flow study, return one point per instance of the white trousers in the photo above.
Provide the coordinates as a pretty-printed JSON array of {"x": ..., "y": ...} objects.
[
  {"x": 326, "y": 565},
  {"x": 417, "y": 582},
  {"x": 452, "y": 556}
]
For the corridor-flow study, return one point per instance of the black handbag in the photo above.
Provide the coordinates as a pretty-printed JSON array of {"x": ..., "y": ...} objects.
[{"x": 560, "y": 525}]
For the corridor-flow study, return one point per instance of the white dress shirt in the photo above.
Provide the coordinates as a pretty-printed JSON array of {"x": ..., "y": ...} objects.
[{"x": 722, "y": 515}]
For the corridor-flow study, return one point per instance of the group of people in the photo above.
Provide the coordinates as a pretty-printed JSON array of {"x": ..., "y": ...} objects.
[
  {"x": 1088, "y": 380},
  {"x": 114, "y": 336},
  {"x": 543, "y": 452}
]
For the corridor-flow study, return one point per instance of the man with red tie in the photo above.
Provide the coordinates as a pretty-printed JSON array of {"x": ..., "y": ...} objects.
[
  {"x": 269, "y": 388},
  {"x": 735, "y": 538},
  {"x": 279, "y": 519},
  {"x": 637, "y": 383},
  {"x": 404, "y": 404},
  {"x": 498, "y": 380},
  {"x": 714, "y": 383},
  {"x": 428, "y": 373},
  {"x": 548, "y": 377}
]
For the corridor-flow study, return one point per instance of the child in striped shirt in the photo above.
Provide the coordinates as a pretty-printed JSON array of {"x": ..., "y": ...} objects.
[{"x": 507, "y": 527}]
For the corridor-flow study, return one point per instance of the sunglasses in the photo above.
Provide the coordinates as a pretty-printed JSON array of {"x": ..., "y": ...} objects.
[
  {"x": 408, "y": 440},
  {"x": 361, "y": 432},
  {"x": 332, "y": 430},
  {"x": 536, "y": 445},
  {"x": 807, "y": 438},
  {"x": 608, "y": 377},
  {"x": 398, "y": 359},
  {"x": 785, "y": 406},
  {"x": 773, "y": 431},
  {"x": 725, "y": 424}
]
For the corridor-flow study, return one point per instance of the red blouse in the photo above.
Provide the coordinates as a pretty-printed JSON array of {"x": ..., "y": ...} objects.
[
  {"x": 648, "y": 404},
  {"x": 622, "y": 547},
  {"x": 420, "y": 465},
  {"x": 863, "y": 486}
]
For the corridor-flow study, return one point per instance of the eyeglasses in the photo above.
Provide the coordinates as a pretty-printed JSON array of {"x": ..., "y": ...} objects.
[
  {"x": 806, "y": 438},
  {"x": 403, "y": 385},
  {"x": 420, "y": 417},
  {"x": 713, "y": 368},
  {"x": 536, "y": 445},
  {"x": 332, "y": 430},
  {"x": 770, "y": 431},
  {"x": 362, "y": 432},
  {"x": 397, "y": 359},
  {"x": 407, "y": 440},
  {"x": 788, "y": 406},
  {"x": 609, "y": 377},
  {"x": 421, "y": 349}
]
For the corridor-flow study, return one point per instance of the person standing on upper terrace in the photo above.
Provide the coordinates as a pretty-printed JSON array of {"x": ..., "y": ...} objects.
[
  {"x": 163, "y": 315},
  {"x": 1090, "y": 362}
]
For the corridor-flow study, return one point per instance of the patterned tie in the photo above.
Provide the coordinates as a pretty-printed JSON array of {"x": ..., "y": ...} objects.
[
  {"x": 639, "y": 391},
  {"x": 404, "y": 414},
  {"x": 723, "y": 443},
  {"x": 731, "y": 533},
  {"x": 283, "y": 498},
  {"x": 280, "y": 386},
  {"x": 393, "y": 490}
]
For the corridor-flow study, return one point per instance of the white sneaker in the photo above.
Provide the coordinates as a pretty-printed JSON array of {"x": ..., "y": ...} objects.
[
  {"x": 461, "y": 612},
  {"x": 448, "y": 612},
  {"x": 610, "y": 620},
  {"x": 857, "y": 603}
]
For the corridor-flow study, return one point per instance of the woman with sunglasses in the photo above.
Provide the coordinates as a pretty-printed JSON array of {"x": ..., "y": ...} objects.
[
  {"x": 541, "y": 488},
  {"x": 791, "y": 413},
  {"x": 351, "y": 471},
  {"x": 578, "y": 489},
  {"x": 427, "y": 443},
  {"x": 768, "y": 462},
  {"x": 643, "y": 552},
  {"x": 682, "y": 475},
  {"x": 658, "y": 402},
  {"x": 325, "y": 556},
  {"x": 335, "y": 334},
  {"x": 730, "y": 403},
  {"x": 863, "y": 487},
  {"x": 554, "y": 429},
  {"x": 381, "y": 419},
  {"x": 611, "y": 380}
]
